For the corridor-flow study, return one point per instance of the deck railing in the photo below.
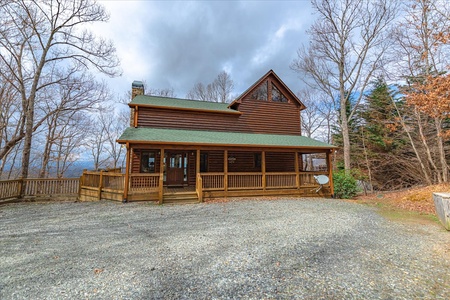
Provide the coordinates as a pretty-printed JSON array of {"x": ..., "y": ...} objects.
[
  {"x": 10, "y": 189},
  {"x": 51, "y": 186},
  {"x": 38, "y": 187}
]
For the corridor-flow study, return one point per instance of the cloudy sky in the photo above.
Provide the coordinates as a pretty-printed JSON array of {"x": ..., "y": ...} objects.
[{"x": 175, "y": 44}]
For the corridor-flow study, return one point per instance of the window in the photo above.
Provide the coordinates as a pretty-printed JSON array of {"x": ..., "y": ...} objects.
[
  {"x": 257, "y": 160},
  {"x": 261, "y": 92},
  {"x": 203, "y": 162},
  {"x": 148, "y": 159},
  {"x": 277, "y": 96}
]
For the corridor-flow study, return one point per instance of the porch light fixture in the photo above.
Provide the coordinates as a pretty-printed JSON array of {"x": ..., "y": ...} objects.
[{"x": 231, "y": 159}]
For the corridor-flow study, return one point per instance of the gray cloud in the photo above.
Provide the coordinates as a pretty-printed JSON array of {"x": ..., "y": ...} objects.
[{"x": 177, "y": 44}]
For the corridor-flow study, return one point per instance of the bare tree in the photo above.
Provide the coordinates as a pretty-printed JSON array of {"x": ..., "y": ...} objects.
[
  {"x": 166, "y": 92},
  {"x": 423, "y": 52},
  {"x": 43, "y": 43},
  {"x": 318, "y": 116},
  {"x": 220, "y": 90},
  {"x": 113, "y": 123},
  {"x": 348, "y": 41}
]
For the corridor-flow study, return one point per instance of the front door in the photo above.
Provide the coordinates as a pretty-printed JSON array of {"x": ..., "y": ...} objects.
[{"x": 176, "y": 168}]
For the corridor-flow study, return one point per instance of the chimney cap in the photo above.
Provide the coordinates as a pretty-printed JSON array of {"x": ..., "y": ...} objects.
[{"x": 137, "y": 84}]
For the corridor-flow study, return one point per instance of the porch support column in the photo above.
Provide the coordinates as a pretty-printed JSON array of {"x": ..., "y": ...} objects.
[
  {"x": 161, "y": 177},
  {"x": 263, "y": 169},
  {"x": 127, "y": 174},
  {"x": 330, "y": 172},
  {"x": 297, "y": 175},
  {"x": 198, "y": 179},
  {"x": 225, "y": 171},
  {"x": 197, "y": 163}
]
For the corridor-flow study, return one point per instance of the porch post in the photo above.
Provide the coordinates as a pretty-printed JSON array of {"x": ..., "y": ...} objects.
[
  {"x": 197, "y": 162},
  {"x": 263, "y": 169},
  {"x": 198, "y": 179},
  {"x": 330, "y": 172},
  {"x": 297, "y": 175},
  {"x": 161, "y": 176},
  {"x": 225, "y": 171},
  {"x": 127, "y": 174}
]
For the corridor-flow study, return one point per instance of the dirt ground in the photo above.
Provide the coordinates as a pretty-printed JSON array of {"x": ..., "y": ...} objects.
[{"x": 417, "y": 200}]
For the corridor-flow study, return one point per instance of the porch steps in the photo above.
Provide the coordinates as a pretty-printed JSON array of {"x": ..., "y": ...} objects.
[{"x": 180, "y": 198}]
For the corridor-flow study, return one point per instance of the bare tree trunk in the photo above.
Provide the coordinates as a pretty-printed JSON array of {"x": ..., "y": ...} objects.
[
  {"x": 440, "y": 142},
  {"x": 405, "y": 128},
  {"x": 427, "y": 148}
]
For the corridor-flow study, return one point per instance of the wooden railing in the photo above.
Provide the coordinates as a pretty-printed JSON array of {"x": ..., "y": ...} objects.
[
  {"x": 10, "y": 189},
  {"x": 273, "y": 180},
  {"x": 238, "y": 181},
  {"x": 307, "y": 178},
  {"x": 144, "y": 182},
  {"x": 281, "y": 180},
  {"x": 51, "y": 186},
  {"x": 38, "y": 187},
  {"x": 212, "y": 181}
]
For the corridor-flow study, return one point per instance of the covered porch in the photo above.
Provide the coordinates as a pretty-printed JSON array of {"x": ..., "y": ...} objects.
[
  {"x": 167, "y": 165},
  {"x": 166, "y": 173}
]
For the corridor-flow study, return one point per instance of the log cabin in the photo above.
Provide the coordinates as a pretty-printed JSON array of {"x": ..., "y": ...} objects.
[{"x": 187, "y": 150}]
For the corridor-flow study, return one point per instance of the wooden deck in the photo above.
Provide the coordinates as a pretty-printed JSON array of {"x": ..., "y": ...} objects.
[{"x": 149, "y": 187}]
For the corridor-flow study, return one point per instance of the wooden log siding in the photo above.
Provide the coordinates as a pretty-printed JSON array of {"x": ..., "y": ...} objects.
[
  {"x": 280, "y": 162},
  {"x": 258, "y": 117},
  {"x": 170, "y": 118}
]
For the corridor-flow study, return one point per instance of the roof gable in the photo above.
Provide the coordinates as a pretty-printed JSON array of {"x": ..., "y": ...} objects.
[{"x": 269, "y": 82}]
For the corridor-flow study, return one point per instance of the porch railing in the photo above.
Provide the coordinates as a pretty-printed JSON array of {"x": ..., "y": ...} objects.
[
  {"x": 239, "y": 181},
  {"x": 144, "y": 182},
  {"x": 281, "y": 180},
  {"x": 254, "y": 180},
  {"x": 213, "y": 181}
]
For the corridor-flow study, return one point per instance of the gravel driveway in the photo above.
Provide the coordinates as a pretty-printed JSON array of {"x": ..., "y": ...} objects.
[{"x": 304, "y": 249}]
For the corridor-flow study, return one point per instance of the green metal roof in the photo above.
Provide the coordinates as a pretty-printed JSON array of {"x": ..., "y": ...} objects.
[
  {"x": 200, "y": 137},
  {"x": 181, "y": 103}
]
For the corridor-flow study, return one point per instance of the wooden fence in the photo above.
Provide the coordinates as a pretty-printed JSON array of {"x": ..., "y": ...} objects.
[{"x": 39, "y": 187}]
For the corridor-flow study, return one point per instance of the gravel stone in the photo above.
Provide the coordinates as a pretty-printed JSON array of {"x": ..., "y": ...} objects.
[{"x": 248, "y": 249}]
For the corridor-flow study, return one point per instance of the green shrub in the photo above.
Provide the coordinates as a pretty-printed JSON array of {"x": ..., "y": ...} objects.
[{"x": 345, "y": 185}]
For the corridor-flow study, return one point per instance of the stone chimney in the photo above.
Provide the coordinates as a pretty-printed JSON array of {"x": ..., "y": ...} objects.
[{"x": 137, "y": 88}]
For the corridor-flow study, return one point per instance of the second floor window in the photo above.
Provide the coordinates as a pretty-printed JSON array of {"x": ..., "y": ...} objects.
[
  {"x": 277, "y": 96},
  {"x": 261, "y": 92}
]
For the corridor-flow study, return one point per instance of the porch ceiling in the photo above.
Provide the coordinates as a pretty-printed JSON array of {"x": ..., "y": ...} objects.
[{"x": 216, "y": 138}]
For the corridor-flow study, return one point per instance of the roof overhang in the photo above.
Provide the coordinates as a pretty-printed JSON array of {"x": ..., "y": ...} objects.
[
  {"x": 198, "y": 138},
  {"x": 231, "y": 112}
]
